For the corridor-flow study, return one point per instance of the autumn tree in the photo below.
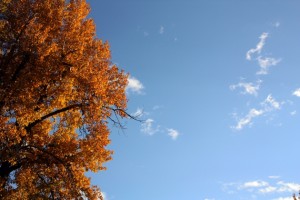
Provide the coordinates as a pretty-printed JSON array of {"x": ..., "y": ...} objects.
[{"x": 58, "y": 92}]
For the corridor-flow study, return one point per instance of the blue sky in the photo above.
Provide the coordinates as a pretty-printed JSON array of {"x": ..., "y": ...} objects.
[{"x": 217, "y": 85}]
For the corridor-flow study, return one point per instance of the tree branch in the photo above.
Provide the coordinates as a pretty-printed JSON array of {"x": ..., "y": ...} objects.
[
  {"x": 125, "y": 112},
  {"x": 6, "y": 168},
  {"x": 32, "y": 124}
]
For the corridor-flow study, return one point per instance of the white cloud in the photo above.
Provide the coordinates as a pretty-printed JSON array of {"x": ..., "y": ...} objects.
[
  {"x": 134, "y": 85},
  {"x": 284, "y": 198},
  {"x": 138, "y": 113},
  {"x": 265, "y": 63},
  {"x": 288, "y": 187},
  {"x": 258, "y": 47},
  {"x": 147, "y": 127},
  {"x": 260, "y": 186},
  {"x": 248, "y": 88},
  {"x": 248, "y": 118},
  {"x": 263, "y": 188},
  {"x": 255, "y": 184},
  {"x": 173, "y": 133},
  {"x": 270, "y": 104},
  {"x": 297, "y": 92},
  {"x": 268, "y": 189},
  {"x": 293, "y": 113},
  {"x": 161, "y": 30}
]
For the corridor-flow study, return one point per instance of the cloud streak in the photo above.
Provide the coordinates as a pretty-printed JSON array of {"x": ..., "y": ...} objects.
[
  {"x": 284, "y": 198},
  {"x": 148, "y": 127},
  {"x": 253, "y": 113},
  {"x": 151, "y": 127},
  {"x": 254, "y": 184},
  {"x": 268, "y": 105},
  {"x": 138, "y": 113},
  {"x": 258, "y": 47},
  {"x": 263, "y": 188},
  {"x": 265, "y": 64},
  {"x": 161, "y": 30},
  {"x": 248, "y": 88}
]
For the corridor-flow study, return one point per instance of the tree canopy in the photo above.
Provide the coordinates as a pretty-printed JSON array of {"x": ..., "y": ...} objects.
[{"x": 58, "y": 91}]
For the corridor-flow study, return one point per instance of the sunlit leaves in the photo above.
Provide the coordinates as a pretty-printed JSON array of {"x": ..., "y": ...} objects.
[{"x": 57, "y": 91}]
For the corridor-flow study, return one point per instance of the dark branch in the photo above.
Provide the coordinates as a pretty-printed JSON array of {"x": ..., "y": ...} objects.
[
  {"x": 115, "y": 110},
  {"x": 6, "y": 168},
  {"x": 32, "y": 124},
  {"x": 48, "y": 153}
]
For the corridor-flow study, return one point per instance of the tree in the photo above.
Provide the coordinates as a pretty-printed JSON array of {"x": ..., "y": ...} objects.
[{"x": 58, "y": 91}]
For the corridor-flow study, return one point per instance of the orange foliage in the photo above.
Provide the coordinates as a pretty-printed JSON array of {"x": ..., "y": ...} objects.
[{"x": 58, "y": 90}]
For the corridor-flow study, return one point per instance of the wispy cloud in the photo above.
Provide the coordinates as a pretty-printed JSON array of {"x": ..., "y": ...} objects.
[
  {"x": 148, "y": 127},
  {"x": 253, "y": 113},
  {"x": 156, "y": 107},
  {"x": 287, "y": 187},
  {"x": 161, "y": 30},
  {"x": 151, "y": 127},
  {"x": 258, "y": 47},
  {"x": 248, "y": 88},
  {"x": 173, "y": 133},
  {"x": 276, "y": 24},
  {"x": 263, "y": 187},
  {"x": 251, "y": 88},
  {"x": 268, "y": 105},
  {"x": 297, "y": 92},
  {"x": 268, "y": 189},
  {"x": 138, "y": 113},
  {"x": 281, "y": 187},
  {"x": 265, "y": 63},
  {"x": 254, "y": 184},
  {"x": 134, "y": 85},
  {"x": 284, "y": 198}
]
